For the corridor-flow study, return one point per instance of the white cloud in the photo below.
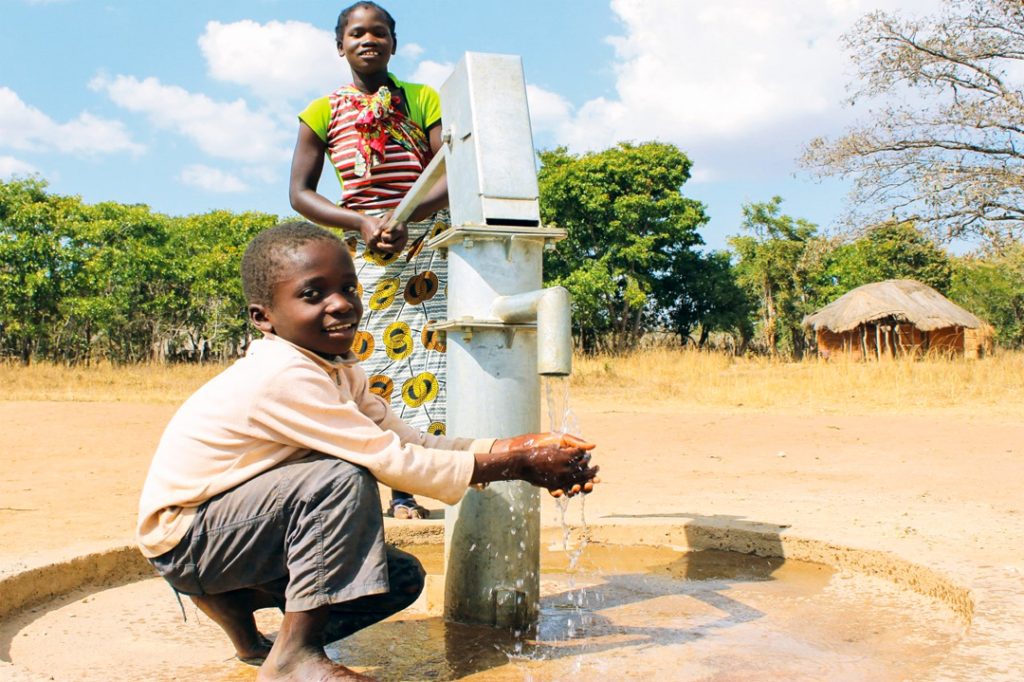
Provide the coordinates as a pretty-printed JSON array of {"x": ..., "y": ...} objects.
[
  {"x": 431, "y": 73},
  {"x": 290, "y": 59},
  {"x": 695, "y": 69},
  {"x": 227, "y": 130},
  {"x": 211, "y": 179},
  {"x": 410, "y": 50},
  {"x": 26, "y": 128},
  {"x": 10, "y": 166},
  {"x": 723, "y": 80},
  {"x": 547, "y": 109},
  {"x": 267, "y": 175}
]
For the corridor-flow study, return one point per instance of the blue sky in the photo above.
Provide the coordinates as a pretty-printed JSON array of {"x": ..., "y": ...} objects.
[{"x": 189, "y": 105}]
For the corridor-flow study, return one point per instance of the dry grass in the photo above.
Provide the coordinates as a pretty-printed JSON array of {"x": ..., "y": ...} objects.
[
  {"x": 104, "y": 382},
  {"x": 661, "y": 379},
  {"x": 672, "y": 378}
]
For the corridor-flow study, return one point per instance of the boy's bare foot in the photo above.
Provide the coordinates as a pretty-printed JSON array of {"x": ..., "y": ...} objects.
[
  {"x": 298, "y": 653},
  {"x": 308, "y": 666}
]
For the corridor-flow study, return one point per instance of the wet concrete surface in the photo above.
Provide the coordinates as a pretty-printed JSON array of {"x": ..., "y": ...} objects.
[{"x": 621, "y": 612}]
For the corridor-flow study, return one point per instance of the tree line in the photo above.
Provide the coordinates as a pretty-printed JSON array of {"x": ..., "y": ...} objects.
[
  {"x": 81, "y": 282},
  {"x": 122, "y": 283},
  {"x": 945, "y": 162},
  {"x": 633, "y": 264}
]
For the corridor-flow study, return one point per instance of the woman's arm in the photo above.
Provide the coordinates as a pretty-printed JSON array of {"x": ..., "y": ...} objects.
[
  {"x": 436, "y": 199},
  {"x": 307, "y": 165}
]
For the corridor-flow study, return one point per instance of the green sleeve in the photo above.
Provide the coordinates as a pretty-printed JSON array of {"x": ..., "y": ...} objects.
[
  {"x": 430, "y": 105},
  {"x": 318, "y": 116},
  {"x": 424, "y": 103}
]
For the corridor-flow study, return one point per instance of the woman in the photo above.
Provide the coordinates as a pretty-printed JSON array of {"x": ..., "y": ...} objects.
[{"x": 379, "y": 133}]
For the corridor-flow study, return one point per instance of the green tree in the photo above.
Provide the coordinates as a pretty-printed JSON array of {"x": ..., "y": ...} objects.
[
  {"x": 890, "y": 251},
  {"x": 117, "y": 281},
  {"x": 207, "y": 251},
  {"x": 35, "y": 271},
  {"x": 991, "y": 285},
  {"x": 706, "y": 296},
  {"x": 779, "y": 260},
  {"x": 125, "y": 295},
  {"x": 629, "y": 226}
]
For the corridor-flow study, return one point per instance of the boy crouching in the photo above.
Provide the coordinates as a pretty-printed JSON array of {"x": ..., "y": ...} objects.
[{"x": 263, "y": 489}]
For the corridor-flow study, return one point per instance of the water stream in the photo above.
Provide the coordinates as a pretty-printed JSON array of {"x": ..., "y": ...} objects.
[{"x": 561, "y": 419}]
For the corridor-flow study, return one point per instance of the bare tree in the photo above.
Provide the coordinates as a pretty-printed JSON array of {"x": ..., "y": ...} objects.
[{"x": 943, "y": 146}]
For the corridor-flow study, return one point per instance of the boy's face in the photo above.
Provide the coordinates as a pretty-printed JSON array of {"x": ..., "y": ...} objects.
[{"x": 315, "y": 302}]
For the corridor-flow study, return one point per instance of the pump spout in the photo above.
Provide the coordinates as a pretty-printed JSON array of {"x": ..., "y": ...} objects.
[{"x": 551, "y": 309}]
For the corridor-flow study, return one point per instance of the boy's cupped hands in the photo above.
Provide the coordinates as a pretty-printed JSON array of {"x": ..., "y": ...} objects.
[{"x": 558, "y": 462}]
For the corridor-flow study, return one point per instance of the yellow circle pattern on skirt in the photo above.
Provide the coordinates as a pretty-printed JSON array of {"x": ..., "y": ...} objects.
[{"x": 401, "y": 293}]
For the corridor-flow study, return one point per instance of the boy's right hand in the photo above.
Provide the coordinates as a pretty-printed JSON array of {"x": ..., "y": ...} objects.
[{"x": 556, "y": 461}]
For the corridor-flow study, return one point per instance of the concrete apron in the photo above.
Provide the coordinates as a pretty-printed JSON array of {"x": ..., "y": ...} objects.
[{"x": 986, "y": 599}]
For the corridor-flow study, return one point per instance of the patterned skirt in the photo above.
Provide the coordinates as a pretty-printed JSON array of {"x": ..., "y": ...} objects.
[{"x": 404, "y": 361}]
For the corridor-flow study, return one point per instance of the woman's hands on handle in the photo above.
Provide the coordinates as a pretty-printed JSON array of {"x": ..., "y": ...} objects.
[{"x": 380, "y": 234}]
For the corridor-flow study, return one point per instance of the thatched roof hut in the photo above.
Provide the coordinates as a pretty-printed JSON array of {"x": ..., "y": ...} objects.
[{"x": 895, "y": 317}]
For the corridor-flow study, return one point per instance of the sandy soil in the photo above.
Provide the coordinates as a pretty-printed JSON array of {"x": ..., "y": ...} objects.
[
  {"x": 72, "y": 473},
  {"x": 939, "y": 490}
]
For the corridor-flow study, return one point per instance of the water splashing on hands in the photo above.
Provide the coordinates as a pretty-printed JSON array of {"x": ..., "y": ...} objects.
[{"x": 556, "y": 461}]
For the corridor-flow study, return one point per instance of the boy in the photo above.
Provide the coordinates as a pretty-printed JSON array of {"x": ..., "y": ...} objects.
[{"x": 263, "y": 490}]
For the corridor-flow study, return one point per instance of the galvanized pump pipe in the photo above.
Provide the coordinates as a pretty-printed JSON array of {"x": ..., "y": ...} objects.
[
  {"x": 550, "y": 308},
  {"x": 503, "y": 329}
]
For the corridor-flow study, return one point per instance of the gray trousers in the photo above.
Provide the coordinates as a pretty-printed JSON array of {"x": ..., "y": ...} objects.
[{"x": 309, "y": 532}]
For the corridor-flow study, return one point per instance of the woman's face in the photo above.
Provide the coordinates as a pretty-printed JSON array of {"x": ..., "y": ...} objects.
[{"x": 367, "y": 44}]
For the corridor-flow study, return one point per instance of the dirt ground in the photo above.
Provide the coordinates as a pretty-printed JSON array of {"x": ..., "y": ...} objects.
[
  {"x": 941, "y": 490},
  {"x": 73, "y": 471}
]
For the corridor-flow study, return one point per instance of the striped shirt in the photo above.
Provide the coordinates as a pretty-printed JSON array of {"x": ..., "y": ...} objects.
[{"x": 384, "y": 185}]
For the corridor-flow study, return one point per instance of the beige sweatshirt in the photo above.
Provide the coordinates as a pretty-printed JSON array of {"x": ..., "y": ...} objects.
[{"x": 282, "y": 402}]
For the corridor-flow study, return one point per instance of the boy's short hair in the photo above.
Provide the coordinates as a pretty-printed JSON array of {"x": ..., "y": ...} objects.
[{"x": 270, "y": 250}]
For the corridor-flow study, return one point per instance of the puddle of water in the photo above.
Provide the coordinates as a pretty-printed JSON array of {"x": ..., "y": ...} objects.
[
  {"x": 621, "y": 613},
  {"x": 699, "y": 616}
]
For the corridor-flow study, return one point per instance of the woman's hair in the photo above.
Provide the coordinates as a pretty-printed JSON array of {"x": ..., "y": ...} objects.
[
  {"x": 339, "y": 29},
  {"x": 270, "y": 250}
]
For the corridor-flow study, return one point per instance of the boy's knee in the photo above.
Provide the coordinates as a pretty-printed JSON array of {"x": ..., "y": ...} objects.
[
  {"x": 330, "y": 478},
  {"x": 359, "y": 483}
]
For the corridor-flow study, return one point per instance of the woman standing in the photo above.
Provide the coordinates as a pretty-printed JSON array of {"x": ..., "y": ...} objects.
[{"x": 379, "y": 133}]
